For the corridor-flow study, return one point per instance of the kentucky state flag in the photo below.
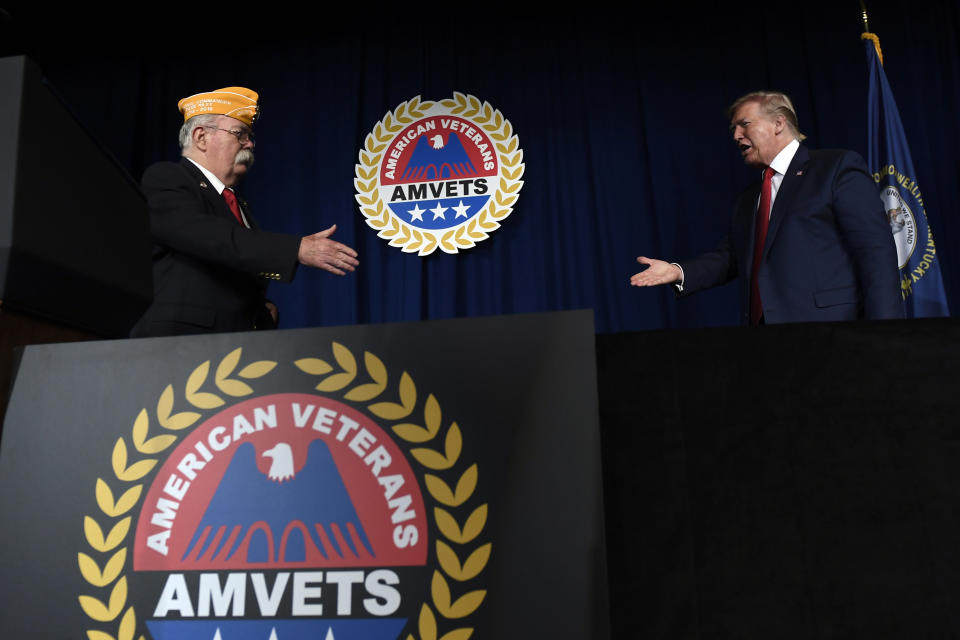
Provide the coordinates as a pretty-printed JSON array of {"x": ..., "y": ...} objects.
[{"x": 889, "y": 159}]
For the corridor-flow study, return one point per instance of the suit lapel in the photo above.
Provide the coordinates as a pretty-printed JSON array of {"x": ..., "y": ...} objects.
[
  {"x": 792, "y": 180},
  {"x": 746, "y": 224},
  {"x": 214, "y": 199},
  {"x": 245, "y": 208}
]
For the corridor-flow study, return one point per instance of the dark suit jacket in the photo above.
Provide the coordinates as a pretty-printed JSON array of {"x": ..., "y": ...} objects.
[
  {"x": 829, "y": 253},
  {"x": 209, "y": 272}
]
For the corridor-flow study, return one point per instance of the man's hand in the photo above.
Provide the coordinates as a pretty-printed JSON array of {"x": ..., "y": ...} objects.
[
  {"x": 321, "y": 252},
  {"x": 657, "y": 272}
]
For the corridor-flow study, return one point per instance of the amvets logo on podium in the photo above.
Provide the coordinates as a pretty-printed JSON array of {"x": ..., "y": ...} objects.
[
  {"x": 289, "y": 515},
  {"x": 439, "y": 174}
]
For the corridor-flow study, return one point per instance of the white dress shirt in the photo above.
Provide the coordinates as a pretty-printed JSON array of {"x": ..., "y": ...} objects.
[{"x": 780, "y": 164}]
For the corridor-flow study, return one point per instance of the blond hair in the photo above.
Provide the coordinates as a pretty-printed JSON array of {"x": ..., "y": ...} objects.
[{"x": 773, "y": 104}]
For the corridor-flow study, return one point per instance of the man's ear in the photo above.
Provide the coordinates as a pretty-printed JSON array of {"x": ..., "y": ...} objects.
[
  {"x": 781, "y": 123},
  {"x": 199, "y": 138}
]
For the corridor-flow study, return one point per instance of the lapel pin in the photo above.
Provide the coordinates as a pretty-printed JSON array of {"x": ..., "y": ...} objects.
[
  {"x": 800, "y": 172},
  {"x": 203, "y": 185}
]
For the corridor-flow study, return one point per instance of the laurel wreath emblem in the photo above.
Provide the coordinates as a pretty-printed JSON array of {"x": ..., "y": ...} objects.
[
  {"x": 465, "y": 235},
  {"x": 102, "y": 565}
]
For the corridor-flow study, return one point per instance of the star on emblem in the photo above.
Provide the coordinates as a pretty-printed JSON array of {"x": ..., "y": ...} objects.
[
  {"x": 438, "y": 212},
  {"x": 416, "y": 213},
  {"x": 461, "y": 210},
  {"x": 274, "y": 636}
]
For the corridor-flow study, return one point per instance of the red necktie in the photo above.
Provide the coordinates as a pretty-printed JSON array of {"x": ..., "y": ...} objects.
[
  {"x": 232, "y": 203},
  {"x": 763, "y": 222}
]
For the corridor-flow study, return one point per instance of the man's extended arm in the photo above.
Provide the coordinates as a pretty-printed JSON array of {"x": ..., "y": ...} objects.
[
  {"x": 707, "y": 270},
  {"x": 179, "y": 220}
]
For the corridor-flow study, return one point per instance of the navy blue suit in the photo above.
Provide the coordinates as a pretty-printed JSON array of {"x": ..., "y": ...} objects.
[
  {"x": 829, "y": 254},
  {"x": 209, "y": 272}
]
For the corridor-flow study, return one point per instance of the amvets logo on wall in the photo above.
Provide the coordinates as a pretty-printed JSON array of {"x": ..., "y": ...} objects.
[
  {"x": 290, "y": 515},
  {"x": 439, "y": 174}
]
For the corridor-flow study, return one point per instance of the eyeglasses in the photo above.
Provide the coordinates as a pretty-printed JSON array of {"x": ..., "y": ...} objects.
[{"x": 242, "y": 135}]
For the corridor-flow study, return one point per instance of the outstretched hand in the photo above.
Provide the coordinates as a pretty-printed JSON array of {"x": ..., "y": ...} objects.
[
  {"x": 657, "y": 272},
  {"x": 321, "y": 252}
]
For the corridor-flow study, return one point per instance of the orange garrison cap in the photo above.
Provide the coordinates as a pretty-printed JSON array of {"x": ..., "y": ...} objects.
[{"x": 236, "y": 102}]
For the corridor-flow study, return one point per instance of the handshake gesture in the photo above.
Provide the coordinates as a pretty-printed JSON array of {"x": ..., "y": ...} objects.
[
  {"x": 319, "y": 251},
  {"x": 657, "y": 272}
]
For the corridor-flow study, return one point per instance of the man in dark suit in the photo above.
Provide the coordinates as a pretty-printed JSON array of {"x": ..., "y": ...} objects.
[
  {"x": 211, "y": 263},
  {"x": 810, "y": 241}
]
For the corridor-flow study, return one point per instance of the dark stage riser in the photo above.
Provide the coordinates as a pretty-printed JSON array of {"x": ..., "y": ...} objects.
[{"x": 797, "y": 481}]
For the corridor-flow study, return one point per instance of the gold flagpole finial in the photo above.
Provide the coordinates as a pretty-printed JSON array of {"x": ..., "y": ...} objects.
[{"x": 863, "y": 16}]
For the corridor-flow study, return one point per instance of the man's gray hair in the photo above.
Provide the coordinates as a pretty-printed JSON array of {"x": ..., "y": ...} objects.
[
  {"x": 186, "y": 131},
  {"x": 773, "y": 104}
]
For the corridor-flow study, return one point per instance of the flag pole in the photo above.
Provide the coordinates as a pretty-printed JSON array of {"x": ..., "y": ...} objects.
[
  {"x": 888, "y": 157},
  {"x": 866, "y": 35}
]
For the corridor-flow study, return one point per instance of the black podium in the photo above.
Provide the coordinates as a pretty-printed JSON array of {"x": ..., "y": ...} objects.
[{"x": 438, "y": 479}]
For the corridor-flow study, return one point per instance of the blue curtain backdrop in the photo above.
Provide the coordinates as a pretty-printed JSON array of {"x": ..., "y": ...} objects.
[{"x": 619, "y": 110}]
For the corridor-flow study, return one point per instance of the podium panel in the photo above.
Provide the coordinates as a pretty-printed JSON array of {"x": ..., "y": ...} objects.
[{"x": 436, "y": 479}]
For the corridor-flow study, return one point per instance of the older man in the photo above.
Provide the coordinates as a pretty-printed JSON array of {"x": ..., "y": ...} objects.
[
  {"x": 810, "y": 240},
  {"x": 211, "y": 263}
]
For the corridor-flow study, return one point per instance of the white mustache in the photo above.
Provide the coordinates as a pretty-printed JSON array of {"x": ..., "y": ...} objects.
[{"x": 244, "y": 157}]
